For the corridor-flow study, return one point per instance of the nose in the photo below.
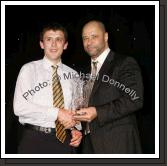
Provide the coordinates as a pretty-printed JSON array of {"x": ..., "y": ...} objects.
[
  {"x": 89, "y": 41},
  {"x": 53, "y": 42}
]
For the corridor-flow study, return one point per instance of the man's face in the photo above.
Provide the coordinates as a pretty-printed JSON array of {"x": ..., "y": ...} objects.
[
  {"x": 53, "y": 44},
  {"x": 95, "y": 40}
]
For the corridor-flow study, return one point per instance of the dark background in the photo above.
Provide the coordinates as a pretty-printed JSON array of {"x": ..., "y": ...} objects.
[{"x": 131, "y": 32}]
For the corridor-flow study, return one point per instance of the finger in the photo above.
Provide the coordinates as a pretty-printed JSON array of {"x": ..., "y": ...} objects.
[
  {"x": 80, "y": 118},
  {"x": 69, "y": 121},
  {"x": 78, "y": 122},
  {"x": 75, "y": 143},
  {"x": 73, "y": 112},
  {"x": 81, "y": 112},
  {"x": 76, "y": 135},
  {"x": 69, "y": 125},
  {"x": 63, "y": 123},
  {"x": 75, "y": 138}
]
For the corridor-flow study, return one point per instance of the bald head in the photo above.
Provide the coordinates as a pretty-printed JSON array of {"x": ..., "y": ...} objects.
[{"x": 96, "y": 23}]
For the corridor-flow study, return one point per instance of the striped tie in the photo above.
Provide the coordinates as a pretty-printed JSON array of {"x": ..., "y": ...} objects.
[
  {"x": 58, "y": 101},
  {"x": 94, "y": 70},
  {"x": 89, "y": 89},
  {"x": 93, "y": 75}
]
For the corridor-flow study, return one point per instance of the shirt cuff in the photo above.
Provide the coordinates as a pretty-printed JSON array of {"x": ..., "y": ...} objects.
[
  {"x": 78, "y": 126},
  {"x": 51, "y": 114}
]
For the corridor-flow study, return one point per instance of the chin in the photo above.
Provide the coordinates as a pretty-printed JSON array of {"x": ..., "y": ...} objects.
[
  {"x": 93, "y": 55},
  {"x": 54, "y": 57}
]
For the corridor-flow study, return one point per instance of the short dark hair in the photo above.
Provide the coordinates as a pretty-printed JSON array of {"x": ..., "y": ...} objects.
[{"x": 53, "y": 26}]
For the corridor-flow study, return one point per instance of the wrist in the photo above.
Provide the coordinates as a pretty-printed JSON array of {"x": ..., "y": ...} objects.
[
  {"x": 72, "y": 128},
  {"x": 59, "y": 113},
  {"x": 95, "y": 112}
]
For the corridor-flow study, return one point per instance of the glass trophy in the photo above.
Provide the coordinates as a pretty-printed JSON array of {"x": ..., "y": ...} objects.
[{"x": 80, "y": 95}]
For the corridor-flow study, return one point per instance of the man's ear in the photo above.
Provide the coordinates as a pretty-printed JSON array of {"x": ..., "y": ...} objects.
[
  {"x": 41, "y": 44},
  {"x": 106, "y": 37},
  {"x": 65, "y": 45}
]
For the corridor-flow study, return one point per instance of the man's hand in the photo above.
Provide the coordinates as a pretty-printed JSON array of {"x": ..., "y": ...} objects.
[
  {"x": 85, "y": 114},
  {"x": 76, "y": 138},
  {"x": 66, "y": 118}
]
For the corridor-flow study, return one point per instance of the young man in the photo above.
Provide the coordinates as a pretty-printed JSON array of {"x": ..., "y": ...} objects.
[
  {"x": 116, "y": 95},
  {"x": 42, "y": 97}
]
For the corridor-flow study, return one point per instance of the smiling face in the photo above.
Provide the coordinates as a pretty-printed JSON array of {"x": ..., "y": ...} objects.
[
  {"x": 53, "y": 43},
  {"x": 95, "y": 39}
]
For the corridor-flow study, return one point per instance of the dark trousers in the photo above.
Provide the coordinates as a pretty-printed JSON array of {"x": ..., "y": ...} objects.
[
  {"x": 36, "y": 142},
  {"x": 87, "y": 147}
]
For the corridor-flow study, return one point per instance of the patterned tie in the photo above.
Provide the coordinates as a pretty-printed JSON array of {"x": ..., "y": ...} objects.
[
  {"x": 93, "y": 75},
  {"x": 94, "y": 70},
  {"x": 58, "y": 101},
  {"x": 89, "y": 88}
]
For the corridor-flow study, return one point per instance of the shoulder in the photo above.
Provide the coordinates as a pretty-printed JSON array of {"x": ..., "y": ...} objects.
[
  {"x": 121, "y": 59},
  {"x": 68, "y": 69},
  {"x": 31, "y": 65},
  {"x": 123, "y": 63},
  {"x": 130, "y": 62}
]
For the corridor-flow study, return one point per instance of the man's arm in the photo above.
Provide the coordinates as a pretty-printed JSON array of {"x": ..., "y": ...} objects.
[
  {"x": 29, "y": 109},
  {"x": 130, "y": 76}
]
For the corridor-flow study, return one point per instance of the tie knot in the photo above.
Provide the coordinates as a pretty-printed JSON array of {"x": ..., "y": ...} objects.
[
  {"x": 54, "y": 67},
  {"x": 94, "y": 70},
  {"x": 95, "y": 63}
]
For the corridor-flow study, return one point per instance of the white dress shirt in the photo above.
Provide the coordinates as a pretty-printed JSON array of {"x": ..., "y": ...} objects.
[
  {"x": 33, "y": 98},
  {"x": 100, "y": 59}
]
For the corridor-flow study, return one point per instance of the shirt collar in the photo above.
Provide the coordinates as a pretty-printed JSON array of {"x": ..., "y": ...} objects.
[
  {"x": 101, "y": 58},
  {"x": 48, "y": 63}
]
